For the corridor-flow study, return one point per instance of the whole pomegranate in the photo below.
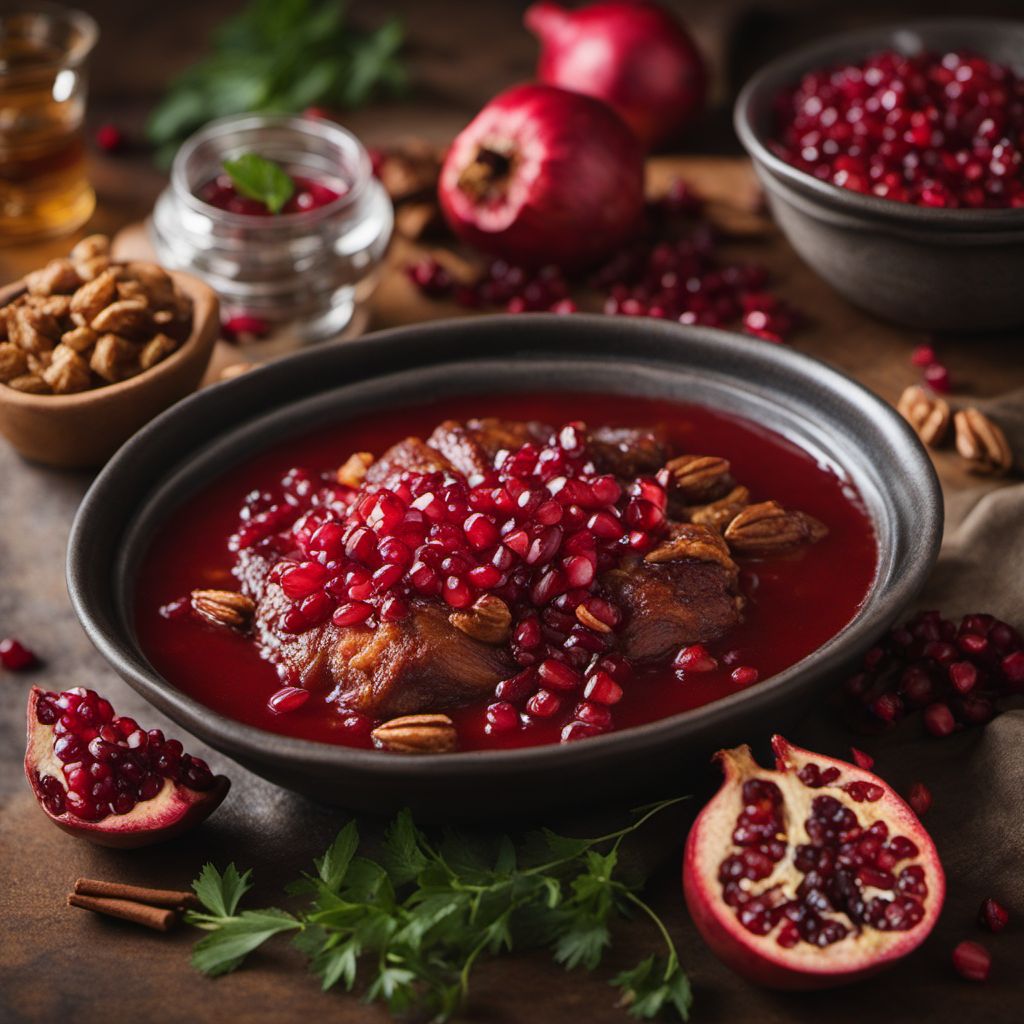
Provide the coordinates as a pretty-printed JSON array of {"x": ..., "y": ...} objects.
[
  {"x": 544, "y": 176},
  {"x": 811, "y": 875},
  {"x": 100, "y": 776},
  {"x": 633, "y": 55}
]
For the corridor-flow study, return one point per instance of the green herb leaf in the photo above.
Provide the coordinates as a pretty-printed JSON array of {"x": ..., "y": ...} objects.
[
  {"x": 415, "y": 924},
  {"x": 223, "y": 950},
  {"x": 257, "y": 178},
  {"x": 220, "y": 893}
]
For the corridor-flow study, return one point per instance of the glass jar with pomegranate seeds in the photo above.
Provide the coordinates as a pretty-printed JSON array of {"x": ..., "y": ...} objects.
[{"x": 302, "y": 275}]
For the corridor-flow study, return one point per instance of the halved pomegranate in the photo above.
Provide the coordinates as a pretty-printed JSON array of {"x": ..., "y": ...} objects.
[
  {"x": 811, "y": 875},
  {"x": 100, "y": 776}
]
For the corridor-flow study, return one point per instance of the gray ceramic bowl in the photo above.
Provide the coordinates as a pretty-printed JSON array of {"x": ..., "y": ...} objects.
[
  {"x": 938, "y": 269},
  {"x": 194, "y": 442}
]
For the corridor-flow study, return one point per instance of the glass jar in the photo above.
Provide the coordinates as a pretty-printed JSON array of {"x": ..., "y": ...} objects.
[
  {"x": 44, "y": 189},
  {"x": 306, "y": 275}
]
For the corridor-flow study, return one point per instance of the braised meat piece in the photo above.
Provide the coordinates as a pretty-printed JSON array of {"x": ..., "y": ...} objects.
[
  {"x": 670, "y": 605},
  {"x": 472, "y": 446},
  {"x": 410, "y": 454},
  {"x": 627, "y": 451}
]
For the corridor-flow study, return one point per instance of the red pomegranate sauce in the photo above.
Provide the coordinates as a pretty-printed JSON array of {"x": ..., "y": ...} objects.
[{"x": 795, "y": 604}]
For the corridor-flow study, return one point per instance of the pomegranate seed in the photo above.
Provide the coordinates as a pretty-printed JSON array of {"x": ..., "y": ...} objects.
[
  {"x": 516, "y": 687},
  {"x": 501, "y": 717},
  {"x": 744, "y": 675},
  {"x": 14, "y": 656},
  {"x": 602, "y": 689},
  {"x": 457, "y": 592},
  {"x": 109, "y": 138},
  {"x": 963, "y": 675},
  {"x": 920, "y": 798},
  {"x": 289, "y": 698},
  {"x": 593, "y": 714},
  {"x": 543, "y": 704},
  {"x": 244, "y": 323},
  {"x": 352, "y": 614},
  {"x": 993, "y": 916},
  {"x": 937, "y": 378},
  {"x": 695, "y": 658},
  {"x": 577, "y": 730},
  {"x": 939, "y": 720},
  {"x": 923, "y": 355},
  {"x": 972, "y": 961},
  {"x": 862, "y": 760},
  {"x": 558, "y": 675},
  {"x": 1012, "y": 666}
]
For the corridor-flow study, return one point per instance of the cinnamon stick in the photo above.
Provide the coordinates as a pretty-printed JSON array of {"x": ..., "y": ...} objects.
[
  {"x": 138, "y": 893},
  {"x": 157, "y": 918}
]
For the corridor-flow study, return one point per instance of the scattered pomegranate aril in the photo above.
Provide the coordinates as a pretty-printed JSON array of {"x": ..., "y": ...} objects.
[
  {"x": 919, "y": 797},
  {"x": 695, "y": 658},
  {"x": 744, "y": 675},
  {"x": 939, "y": 720},
  {"x": 804, "y": 914},
  {"x": 862, "y": 760},
  {"x": 289, "y": 698},
  {"x": 923, "y": 355},
  {"x": 101, "y": 777},
  {"x": 993, "y": 916},
  {"x": 15, "y": 656},
  {"x": 937, "y": 378},
  {"x": 109, "y": 138},
  {"x": 972, "y": 961},
  {"x": 244, "y": 323}
]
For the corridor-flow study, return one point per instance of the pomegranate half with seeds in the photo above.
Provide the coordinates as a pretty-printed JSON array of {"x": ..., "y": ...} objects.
[
  {"x": 811, "y": 875},
  {"x": 100, "y": 776}
]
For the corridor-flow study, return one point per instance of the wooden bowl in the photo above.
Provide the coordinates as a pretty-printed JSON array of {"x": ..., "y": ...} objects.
[{"x": 84, "y": 429}]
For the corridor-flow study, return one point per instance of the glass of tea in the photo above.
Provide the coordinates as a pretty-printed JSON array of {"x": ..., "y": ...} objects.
[{"x": 44, "y": 189}]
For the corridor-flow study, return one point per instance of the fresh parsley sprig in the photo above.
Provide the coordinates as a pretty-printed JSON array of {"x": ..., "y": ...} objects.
[
  {"x": 280, "y": 56},
  {"x": 411, "y": 925}
]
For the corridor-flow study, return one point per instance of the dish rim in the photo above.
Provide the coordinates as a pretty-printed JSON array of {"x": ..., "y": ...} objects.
[{"x": 254, "y": 744}]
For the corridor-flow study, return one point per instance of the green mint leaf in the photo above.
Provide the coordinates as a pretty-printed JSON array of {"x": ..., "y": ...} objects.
[
  {"x": 402, "y": 855},
  {"x": 257, "y": 178},
  {"x": 334, "y": 864},
  {"x": 653, "y": 986},
  {"x": 223, "y": 950},
  {"x": 220, "y": 893}
]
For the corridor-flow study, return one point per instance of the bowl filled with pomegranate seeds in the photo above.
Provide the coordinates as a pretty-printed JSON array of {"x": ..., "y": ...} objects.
[
  {"x": 893, "y": 160},
  {"x": 447, "y": 564}
]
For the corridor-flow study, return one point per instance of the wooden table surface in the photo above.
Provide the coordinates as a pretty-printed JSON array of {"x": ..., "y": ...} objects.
[{"x": 58, "y": 964}]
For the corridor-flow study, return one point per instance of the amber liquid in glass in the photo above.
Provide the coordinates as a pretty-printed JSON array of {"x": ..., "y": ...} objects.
[{"x": 44, "y": 189}]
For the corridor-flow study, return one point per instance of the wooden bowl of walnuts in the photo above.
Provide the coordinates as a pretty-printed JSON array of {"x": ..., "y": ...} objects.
[{"x": 90, "y": 350}]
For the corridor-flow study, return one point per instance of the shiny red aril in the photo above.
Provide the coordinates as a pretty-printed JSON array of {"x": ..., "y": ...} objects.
[
  {"x": 506, "y": 188},
  {"x": 14, "y": 656},
  {"x": 993, "y": 915},
  {"x": 939, "y": 720},
  {"x": 602, "y": 688},
  {"x": 694, "y": 658},
  {"x": 558, "y": 675},
  {"x": 635, "y": 56},
  {"x": 972, "y": 961},
  {"x": 100, "y": 776},
  {"x": 543, "y": 704},
  {"x": 288, "y": 698},
  {"x": 794, "y": 882},
  {"x": 744, "y": 675},
  {"x": 919, "y": 796},
  {"x": 501, "y": 717}
]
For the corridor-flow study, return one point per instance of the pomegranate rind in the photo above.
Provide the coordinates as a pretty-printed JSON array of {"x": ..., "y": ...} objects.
[
  {"x": 761, "y": 959},
  {"x": 174, "y": 810}
]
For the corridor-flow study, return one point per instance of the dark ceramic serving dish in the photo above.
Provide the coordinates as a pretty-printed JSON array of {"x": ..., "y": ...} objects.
[
  {"x": 184, "y": 449},
  {"x": 937, "y": 269}
]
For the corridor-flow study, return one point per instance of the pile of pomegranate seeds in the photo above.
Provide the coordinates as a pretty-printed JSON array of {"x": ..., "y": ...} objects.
[
  {"x": 15, "y": 656},
  {"x": 674, "y": 273},
  {"x": 939, "y": 130},
  {"x": 309, "y": 195},
  {"x": 109, "y": 763},
  {"x": 840, "y": 860},
  {"x": 953, "y": 674},
  {"x": 536, "y": 531}
]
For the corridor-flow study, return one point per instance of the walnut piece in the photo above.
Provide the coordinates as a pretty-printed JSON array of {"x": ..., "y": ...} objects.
[
  {"x": 90, "y": 247},
  {"x": 81, "y": 339},
  {"x": 30, "y": 383},
  {"x": 114, "y": 358},
  {"x": 717, "y": 515},
  {"x": 488, "y": 620},
  {"x": 353, "y": 473},
  {"x": 130, "y": 318},
  {"x": 157, "y": 348},
  {"x": 927, "y": 413},
  {"x": 983, "y": 443},
  {"x": 769, "y": 529},
  {"x": 224, "y": 607},
  {"x": 68, "y": 372},
  {"x": 13, "y": 361},
  {"x": 93, "y": 297},
  {"x": 58, "y": 277},
  {"x": 699, "y": 478},
  {"x": 33, "y": 330},
  {"x": 417, "y": 734},
  {"x": 692, "y": 541}
]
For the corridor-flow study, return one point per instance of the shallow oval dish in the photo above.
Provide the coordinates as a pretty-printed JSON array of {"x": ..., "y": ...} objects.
[
  {"x": 196, "y": 441},
  {"x": 936, "y": 269}
]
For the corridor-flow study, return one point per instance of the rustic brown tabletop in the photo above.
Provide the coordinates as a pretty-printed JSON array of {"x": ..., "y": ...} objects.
[{"x": 60, "y": 964}]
